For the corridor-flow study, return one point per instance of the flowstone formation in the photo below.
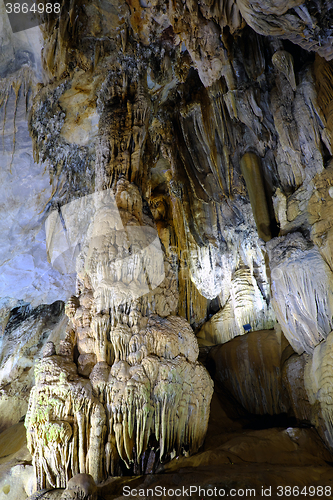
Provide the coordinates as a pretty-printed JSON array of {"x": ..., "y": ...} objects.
[
  {"x": 189, "y": 151},
  {"x": 136, "y": 393}
]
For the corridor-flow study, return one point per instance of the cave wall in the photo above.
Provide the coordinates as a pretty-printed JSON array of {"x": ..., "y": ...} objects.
[{"x": 210, "y": 125}]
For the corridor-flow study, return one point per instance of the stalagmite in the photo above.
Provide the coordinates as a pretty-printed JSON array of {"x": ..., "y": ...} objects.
[
  {"x": 144, "y": 378},
  {"x": 247, "y": 304}
]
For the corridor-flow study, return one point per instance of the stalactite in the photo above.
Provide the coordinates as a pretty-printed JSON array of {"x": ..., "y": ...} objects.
[
  {"x": 250, "y": 165},
  {"x": 22, "y": 83},
  {"x": 323, "y": 71},
  {"x": 283, "y": 62}
]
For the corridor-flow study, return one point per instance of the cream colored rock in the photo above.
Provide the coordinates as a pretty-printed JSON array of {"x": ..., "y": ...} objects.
[
  {"x": 80, "y": 127},
  {"x": 284, "y": 19},
  {"x": 308, "y": 381},
  {"x": 17, "y": 483},
  {"x": 302, "y": 293},
  {"x": 60, "y": 410},
  {"x": 320, "y": 209},
  {"x": 283, "y": 62},
  {"x": 16, "y": 471},
  {"x": 317, "y": 382},
  {"x": 244, "y": 306},
  {"x": 135, "y": 399},
  {"x": 298, "y": 154},
  {"x": 144, "y": 377}
]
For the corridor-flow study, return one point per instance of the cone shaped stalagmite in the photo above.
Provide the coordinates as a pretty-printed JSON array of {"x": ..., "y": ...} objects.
[{"x": 144, "y": 378}]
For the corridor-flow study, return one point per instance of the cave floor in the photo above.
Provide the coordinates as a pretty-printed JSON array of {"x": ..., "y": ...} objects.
[{"x": 237, "y": 460}]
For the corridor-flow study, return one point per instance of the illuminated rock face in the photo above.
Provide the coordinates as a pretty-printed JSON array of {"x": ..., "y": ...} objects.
[
  {"x": 188, "y": 147},
  {"x": 302, "y": 291},
  {"x": 25, "y": 185},
  {"x": 146, "y": 390},
  {"x": 309, "y": 383}
]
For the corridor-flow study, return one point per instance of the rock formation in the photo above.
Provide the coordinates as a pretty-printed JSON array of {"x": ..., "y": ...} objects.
[
  {"x": 145, "y": 385},
  {"x": 167, "y": 179},
  {"x": 27, "y": 332}
]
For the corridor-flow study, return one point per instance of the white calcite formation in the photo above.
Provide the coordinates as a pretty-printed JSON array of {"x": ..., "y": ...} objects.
[
  {"x": 302, "y": 292},
  {"x": 309, "y": 383},
  {"x": 145, "y": 383},
  {"x": 246, "y": 305}
]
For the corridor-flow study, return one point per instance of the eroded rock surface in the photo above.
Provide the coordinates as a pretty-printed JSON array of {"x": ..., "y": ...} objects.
[
  {"x": 26, "y": 333},
  {"x": 25, "y": 188},
  {"x": 302, "y": 291},
  {"x": 147, "y": 397}
]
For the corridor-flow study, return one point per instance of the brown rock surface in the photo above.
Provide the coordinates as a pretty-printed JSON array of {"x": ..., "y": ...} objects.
[{"x": 249, "y": 367}]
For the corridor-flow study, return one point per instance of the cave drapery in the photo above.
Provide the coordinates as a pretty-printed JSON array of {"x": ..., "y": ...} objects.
[{"x": 168, "y": 185}]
